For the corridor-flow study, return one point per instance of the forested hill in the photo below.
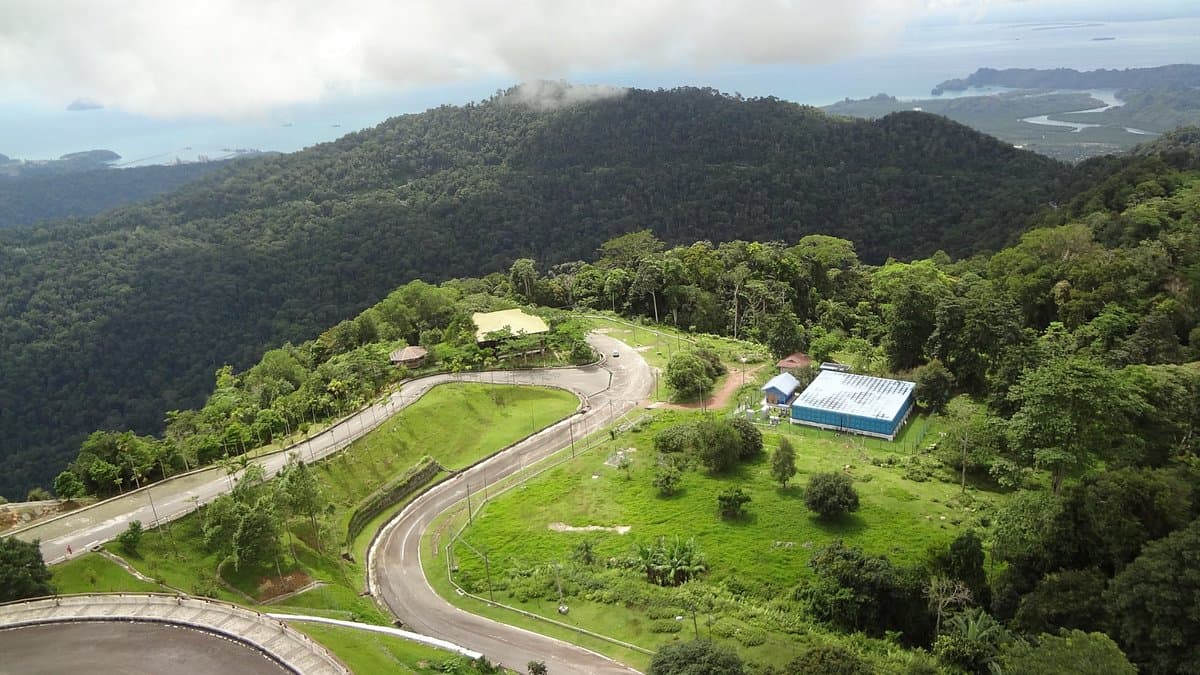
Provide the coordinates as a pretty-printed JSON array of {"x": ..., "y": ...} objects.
[
  {"x": 1180, "y": 74},
  {"x": 29, "y": 198},
  {"x": 105, "y": 323}
]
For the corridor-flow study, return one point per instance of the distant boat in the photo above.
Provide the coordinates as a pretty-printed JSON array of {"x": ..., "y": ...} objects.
[
  {"x": 335, "y": 125},
  {"x": 1103, "y": 39},
  {"x": 286, "y": 124}
]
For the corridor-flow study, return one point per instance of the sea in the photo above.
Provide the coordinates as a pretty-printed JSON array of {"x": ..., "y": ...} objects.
[{"x": 907, "y": 66}]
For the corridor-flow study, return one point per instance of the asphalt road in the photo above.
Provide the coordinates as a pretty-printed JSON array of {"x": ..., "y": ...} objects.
[{"x": 394, "y": 564}]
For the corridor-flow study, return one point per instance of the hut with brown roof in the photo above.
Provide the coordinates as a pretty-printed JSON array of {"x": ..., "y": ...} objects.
[{"x": 409, "y": 357}]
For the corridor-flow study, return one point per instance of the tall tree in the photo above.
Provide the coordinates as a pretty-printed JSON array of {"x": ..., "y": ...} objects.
[
  {"x": 1070, "y": 411},
  {"x": 1153, "y": 604},
  {"x": 23, "y": 573},
  {"x": 783, "y": 462}
]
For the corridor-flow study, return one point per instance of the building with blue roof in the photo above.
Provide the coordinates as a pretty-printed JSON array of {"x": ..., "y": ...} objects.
[{"x": 859, "y": 404}]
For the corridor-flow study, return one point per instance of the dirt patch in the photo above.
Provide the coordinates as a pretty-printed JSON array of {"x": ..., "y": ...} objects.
[
  {"x": 722, "y": 396},
  {"x": 273, "y": 587},
  {"x": 563, "y": 527}
]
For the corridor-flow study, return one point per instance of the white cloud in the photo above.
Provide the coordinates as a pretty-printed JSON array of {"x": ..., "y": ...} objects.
[{"x": 241, "y": 57}]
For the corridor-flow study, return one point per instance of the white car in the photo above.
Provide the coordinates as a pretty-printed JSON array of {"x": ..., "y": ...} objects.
[{"x": 616, "y": 354}]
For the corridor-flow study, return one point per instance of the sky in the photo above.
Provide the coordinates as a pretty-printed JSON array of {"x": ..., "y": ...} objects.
[{"x": 237, "y": 59}]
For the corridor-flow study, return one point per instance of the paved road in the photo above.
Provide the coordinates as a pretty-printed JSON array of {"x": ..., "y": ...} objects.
[
  {"x": 394, "y": 562},
  {"x": 71, "y": 535}
]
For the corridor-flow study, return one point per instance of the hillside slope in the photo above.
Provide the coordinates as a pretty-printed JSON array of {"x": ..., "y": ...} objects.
[
  {"x": 28, "y": 199},
  {"x": 105, "y": 323}
]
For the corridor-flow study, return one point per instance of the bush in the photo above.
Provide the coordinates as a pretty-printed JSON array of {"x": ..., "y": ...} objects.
[
  {"x": 666, "y": 626},
  {"x": 829, "y": 495},
  {"x": 131, "y": 537},
  {"x": 676, "y": 439},
  {"x": 667, "y": 479},
  {"x": 752, "y": 441},
  {"x": 828, "y": 660},
  {"x": 718, "y": 445},
  {"x": 699, "y": 657},
  {"x": 731, "y": 503}
]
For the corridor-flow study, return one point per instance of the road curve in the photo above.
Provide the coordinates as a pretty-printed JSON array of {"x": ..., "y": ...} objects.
[{"x": 394, "y": 561}]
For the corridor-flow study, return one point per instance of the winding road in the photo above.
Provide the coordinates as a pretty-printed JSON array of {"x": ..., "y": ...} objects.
[
  {"x": 608, "y": 389},
  {"x": 394, "y": 562}
]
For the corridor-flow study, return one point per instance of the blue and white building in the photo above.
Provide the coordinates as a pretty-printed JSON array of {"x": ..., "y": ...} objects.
[
  {"x": 858, "y": 404},
  {"x": 780, "y": 390}
]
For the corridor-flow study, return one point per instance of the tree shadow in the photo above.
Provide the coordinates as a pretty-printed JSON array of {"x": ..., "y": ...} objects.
[
  {"x": 745, "y": 519},
  {"x": 792, "y": 491},
  {"x": 843, "y": 525}
]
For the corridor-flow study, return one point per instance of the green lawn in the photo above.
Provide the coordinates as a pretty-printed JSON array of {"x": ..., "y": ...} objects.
[
  {"x": 93, "y": 573},
  {"x": 760, "y": 558},
  {"x": 369, "y": 653}
]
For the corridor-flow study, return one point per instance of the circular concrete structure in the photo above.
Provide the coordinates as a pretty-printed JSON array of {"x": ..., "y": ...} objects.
[
  {"x": 127, "y": 647},
  {"x": 132, "y": 633}
]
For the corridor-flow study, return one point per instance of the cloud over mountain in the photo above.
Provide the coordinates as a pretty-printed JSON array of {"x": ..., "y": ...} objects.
[{"x": 235, "y": 58}]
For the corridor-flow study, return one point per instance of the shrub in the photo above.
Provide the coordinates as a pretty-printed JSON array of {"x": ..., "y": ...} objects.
[
  {"x": 731, "y": 503},
  {"x": 131, "y": 537},
  {"x": 829, "y": 495},
  {"x": 667, "y": 479},
  {"x": 676, "y": 439},
  {"x": 828, "y": 660},
  {"x": 698, "y": 656},
  {"x": 665, "y": 626},
  {"x": 752, "y": 441}
]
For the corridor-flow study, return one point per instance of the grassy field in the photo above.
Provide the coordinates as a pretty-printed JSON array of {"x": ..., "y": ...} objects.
[
  {"x": 377, "y": 654},
  {"x": 93, "y": 573},
  {"x": 757, "y": 559},
  {"x": 456, "y": 424}
]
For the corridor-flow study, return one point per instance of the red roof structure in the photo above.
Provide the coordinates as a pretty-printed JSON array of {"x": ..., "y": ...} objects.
[{"x": 793, "y": 361}]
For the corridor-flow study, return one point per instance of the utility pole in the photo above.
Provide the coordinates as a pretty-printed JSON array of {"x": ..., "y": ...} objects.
[
  {"x": 470, "y": 516},
  {"x": 488, "y": 571},
  {"x": 571, "y": 428},
  {"x": 166, "y": 526}
]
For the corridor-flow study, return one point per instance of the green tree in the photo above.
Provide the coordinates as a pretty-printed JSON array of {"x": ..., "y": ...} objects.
[
  {"x": 256, "y": 539},
  {"x": 731, "y": 503},
  {"x": 67, "y": 485},
  {"x": 1069, "y": 411},
  {"x": 1152, "y": 603},
  {"x": 131, "y": 537},
  {"x": 23, "y": 572},
  {"x": 301, "y": 492},
  {"x": 934, "y": 386},
  {"x": 698, "y": 657},
  {"x": 1070, "y": 653},
  {"x": 536, "y": 668},
  {"x": 829, "y": 495},
  {"x": 1072, "y": 599},
  {"x": 964, "y": 562},
  {"x": 783, "y": 462},
  {"x": 688, "y": 374}
]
